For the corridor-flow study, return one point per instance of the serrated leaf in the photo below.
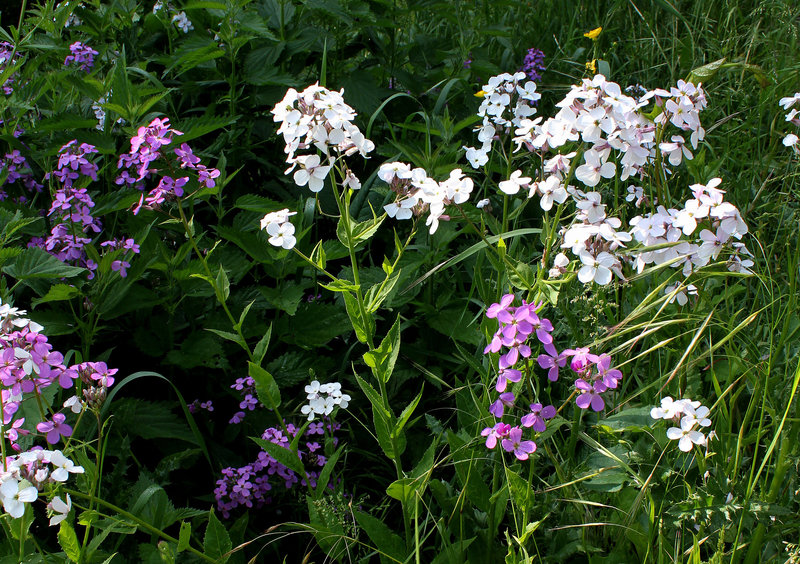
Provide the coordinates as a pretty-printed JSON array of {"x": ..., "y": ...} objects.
[
  {"x": 267, "y": 389},
  {"x": 359, "y": 232},
  {"x": 222, "y": 286},
  {"x": 282, "y": 455},
  {"x": 363, "y": 324},
  {"x": 68, "y": 541},
  {"x": 216, "y": 543},
  {"x": 34, "y": 263},
  {"x": 285, "y": 298},
  {"x": 57, "y": 293}
]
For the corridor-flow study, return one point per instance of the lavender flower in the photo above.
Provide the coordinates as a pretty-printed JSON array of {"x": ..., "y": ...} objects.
[
  {"x": 81, "y": 54},
  {"x": 533, "y": 63}
]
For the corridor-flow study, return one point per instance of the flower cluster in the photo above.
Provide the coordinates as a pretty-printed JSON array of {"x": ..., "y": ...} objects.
[
  {"x": 82, "y": 55},
  {"x": 279, "y": 228},
  {"x": 533, "y": 64},
  {"x": 323, "y": 399},
  {"x": 793, "y": 117},
  {"x": 16, "y": 167},
  {"x": 7, "y": 59},
  {"x": 197, "y": 405},
  {"x": 516, "y": 325},
  {"x": 29, "y": 472},
  {"x": 250, "y": 485},
  {"x": 319, "y": 118},
  {"x": 723, "y": 228},
  {"x": 139, "y": 165},
  {"x": 498, "y": 96},
  {"x": 417, "y": 193},
  {"x": 247, "y": 389},
  {"x": 181, "y": 21},
  {"x": 28, "y": 366},
  {"x": 690, "y": 416}
]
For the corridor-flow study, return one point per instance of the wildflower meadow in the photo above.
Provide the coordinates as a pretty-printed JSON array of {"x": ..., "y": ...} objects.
[{"x": 399, "y": 281}]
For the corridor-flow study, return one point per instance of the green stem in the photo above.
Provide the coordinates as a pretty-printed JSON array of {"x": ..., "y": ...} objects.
[{"x": 142, "y": 524}]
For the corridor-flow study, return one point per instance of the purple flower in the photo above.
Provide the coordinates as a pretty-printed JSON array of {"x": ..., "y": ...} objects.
[
  {"x": 552, "y": 361},
  {"x": 82, "y": 55},
  {"x": 591, "y": 395},
  {"x": 610, "y": 376},
  {"x": 498, "y": 407},
  {"x": 581, "y": 358},
  {"x": 507, "y": 375},
  {"x": 537, "y": 416},
  {"x": 533, "y": 64},
  {"x": 494, "y": 309},
  {"x": 55, "y": 428},
  {"x": 493, "y": 434},
  {"x": 515, "y": 444}
]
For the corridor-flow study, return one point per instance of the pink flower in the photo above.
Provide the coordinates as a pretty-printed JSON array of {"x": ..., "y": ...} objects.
[
  {"x": 514, "y": 443},
  {"x": 591, "y": 395}
]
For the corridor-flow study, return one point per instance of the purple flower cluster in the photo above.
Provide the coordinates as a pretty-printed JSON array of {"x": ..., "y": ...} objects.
[
  {"x": 13, "y": 164},
  {"x": 7, "y": 59},
  {"x": 81, "y": 54},
  {"x": 247, "y": 388},
  {"x": 138, "y": 165},
  {"x": 516, "y": 325},
  {"x": 533, "y": 63},
  {"x": 250, "y": 485},
  {"x": 29, "y": 365},
  {"x": 595, "y": 377},
  {"x": 197, "y": 405}
]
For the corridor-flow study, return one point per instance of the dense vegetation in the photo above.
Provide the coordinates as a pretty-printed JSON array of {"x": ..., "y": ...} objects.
[{"x": 410, "y": 281}]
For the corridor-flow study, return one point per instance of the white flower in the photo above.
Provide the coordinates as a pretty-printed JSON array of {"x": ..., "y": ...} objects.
[
  {"x": 182, "y": 22},
  {"x": 281, "y": 235},
  {"x": 686, "y": 436},
  {"x": 14, "y": 498},
  {"x": 596, "y": 269},
  {"x": 790, "y": 140},
  {"x": 63, "y": 467},
  {"x": 60, "y": 509},
  {"x": 513, "y": 184},
  {"x": 75, "y": 404}
]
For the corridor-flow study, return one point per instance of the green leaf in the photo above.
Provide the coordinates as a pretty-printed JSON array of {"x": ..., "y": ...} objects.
[
  {"x": 386, "y": 542},
  {"x": 57, "y": 293},
  {"x": 327, "y": 470},
  {"x": 372, "y": 395},
  {"x": 378, "y": 293},
  {"x": 68, "y": 541},
  {"x": 185, "y": 535},
  {"x": 261, "y": 347},
  {"x": 406, "y": 415},
  {"x": 282, "y": 455},
  {"x": 267, "y": 389},
  {"x": 285, "y": 298},
  {"x": 706, "y": 72},
  {"x": 382, "y": 359},
  {"x": 403, "y": 489},
  {"x": 222, "y": 286},
  {"x": 363, "y": 325},
  {"x": 227, "y": 335},
  {"x": 359, "y": 232},
  {"x": 37, "y": 263},
  {"x": 217, "y": 542}
]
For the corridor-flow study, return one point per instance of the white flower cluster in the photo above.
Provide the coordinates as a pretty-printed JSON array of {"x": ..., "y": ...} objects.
[
  {"x": 280, "y": 230},
  {"x": 417, "y": 193},
  {"x": 670, "y": 227},
  {"x": 11, "y": 320},
  {"x": 27, "y": 473},
  {"x": 318, "y": 117},
  {"x": 793, "y": 117},
  {"x": 323, "y": 398},
  {"x": 690, "y": 415},
  {"x": 498, "y": 95}
]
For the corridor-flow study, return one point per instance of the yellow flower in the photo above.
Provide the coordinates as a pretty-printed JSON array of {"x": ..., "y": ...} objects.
[
  {"x": 592, "y": 66},
  {"x": 594, "y": 34},
  {"x": 480, "y": 94}
]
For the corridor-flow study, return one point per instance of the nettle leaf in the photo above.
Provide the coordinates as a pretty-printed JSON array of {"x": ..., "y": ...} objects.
[
  {"x": 216, "y": 543},
  {"x": 313, "y": 325},
  {"x": 293, "y": 366},
  {"x": 285, "y": 298},
  {"x": 57, "y": 293},
  {"x": 68, "y": 541},
  {"x": 195, "y": 127},
  {"x": 35, "y": 263},
  {"x": 150, "y": 420}
]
